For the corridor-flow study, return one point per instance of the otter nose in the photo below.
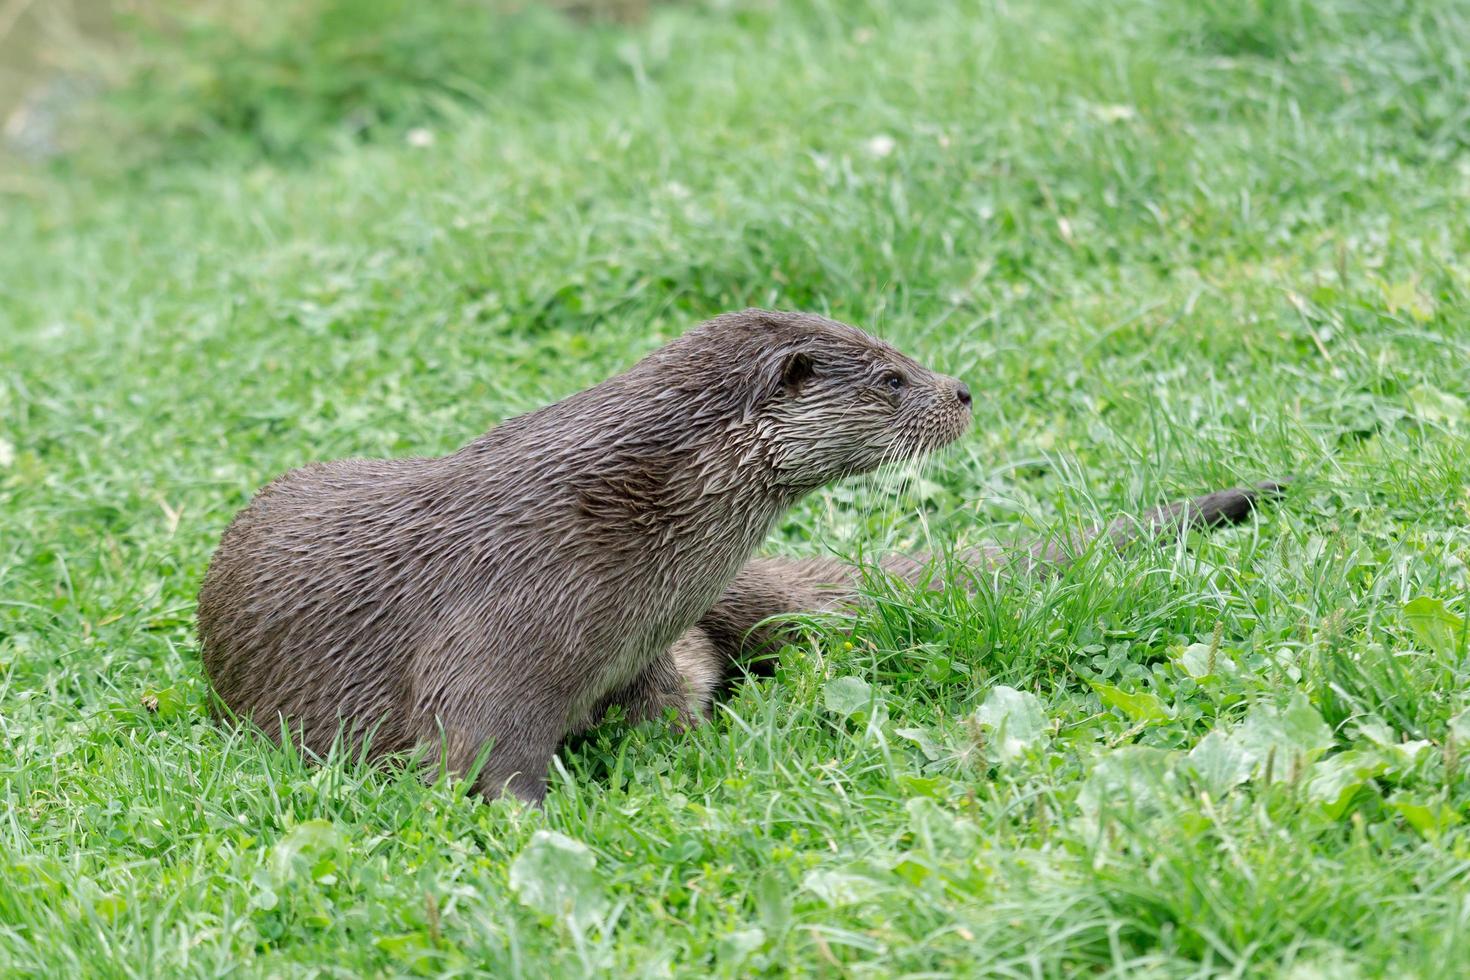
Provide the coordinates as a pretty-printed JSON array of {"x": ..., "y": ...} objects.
[{"x": 962, "y": 392}]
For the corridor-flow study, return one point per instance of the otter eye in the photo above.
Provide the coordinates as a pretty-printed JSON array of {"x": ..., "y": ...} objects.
[{"x": 893, "y": 381}]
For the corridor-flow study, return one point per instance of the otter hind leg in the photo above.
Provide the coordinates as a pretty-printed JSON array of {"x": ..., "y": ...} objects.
[
  {"x": 684, "y": 678},
  {"x": 701, "y": 667}
]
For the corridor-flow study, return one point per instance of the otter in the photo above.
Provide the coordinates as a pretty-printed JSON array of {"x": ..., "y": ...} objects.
[{"x": 497, "y": 599}]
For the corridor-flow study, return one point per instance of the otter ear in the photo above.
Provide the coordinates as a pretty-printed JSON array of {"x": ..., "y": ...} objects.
[{"x": 796, "y": 370}]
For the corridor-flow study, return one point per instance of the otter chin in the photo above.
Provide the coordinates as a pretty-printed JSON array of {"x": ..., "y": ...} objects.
[{"x": 492, "y": 601}]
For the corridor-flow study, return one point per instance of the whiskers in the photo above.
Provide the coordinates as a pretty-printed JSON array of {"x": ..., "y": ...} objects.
[{"x": 900, "y": 485}]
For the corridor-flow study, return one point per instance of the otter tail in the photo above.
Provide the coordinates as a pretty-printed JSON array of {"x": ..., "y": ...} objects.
[
  {"x": 1161, "y": 524},
  {"x": 747, "y": 621}
]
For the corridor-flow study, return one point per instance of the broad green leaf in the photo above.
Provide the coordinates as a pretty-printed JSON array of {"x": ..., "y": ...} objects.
[
  {"x": 1335, "y": 781},
  {"x": 839, "y": 887},
  {"x": 419, "y": 953},
  {"x": 1014, "y": 720},
  {"x": 914, "y": 870},
  {"x": 1398, "y": 755},
  {"x": 263, "y": 891},
  {"x": 1195, "y": 659},
  {"x": 1431, "y": 817},
  {"x": 1132, "y": 783},
  {"x": 1140, "y": 706},
  {"x": 1220, "y": 763},
  {"x": 558, "y": 876},
  {"x": 846, "y": 696},
  {"x": 304, "y": 847},
  {"x": 109, "y": 907},
  {"x": 931, "y": 749},
  {"x": 1434, "y": 626},
  {"x": 1375, "y": 730},
  {"x": 1434, "y": 405},
  {"x": 683, "y": 848},
  {"x": 922, "y": 785},
  {"x": 735, "y": 947},
  {"x": 1460, "y": 726},
  {"x": 1406, "y": 295},
  {"x": 1293, "y": 734}
]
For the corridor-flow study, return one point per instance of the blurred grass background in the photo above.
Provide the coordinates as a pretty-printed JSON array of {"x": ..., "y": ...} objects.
[{"x": 200, "y": 80}]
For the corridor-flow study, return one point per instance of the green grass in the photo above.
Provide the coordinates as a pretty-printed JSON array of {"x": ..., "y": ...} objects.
[{"x": 1170, "y": 247}]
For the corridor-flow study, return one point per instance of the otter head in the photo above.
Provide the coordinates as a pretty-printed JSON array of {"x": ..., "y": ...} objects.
[{"x": 820, "y": 399}]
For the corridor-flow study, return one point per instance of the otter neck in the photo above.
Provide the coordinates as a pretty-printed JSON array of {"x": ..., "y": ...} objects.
[
  {"x": 663, "y": 471},
  {"x": 713, "y": 488}
]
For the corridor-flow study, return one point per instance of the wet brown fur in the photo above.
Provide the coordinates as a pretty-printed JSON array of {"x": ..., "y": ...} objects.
[{"x": 498, "y": 599}]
